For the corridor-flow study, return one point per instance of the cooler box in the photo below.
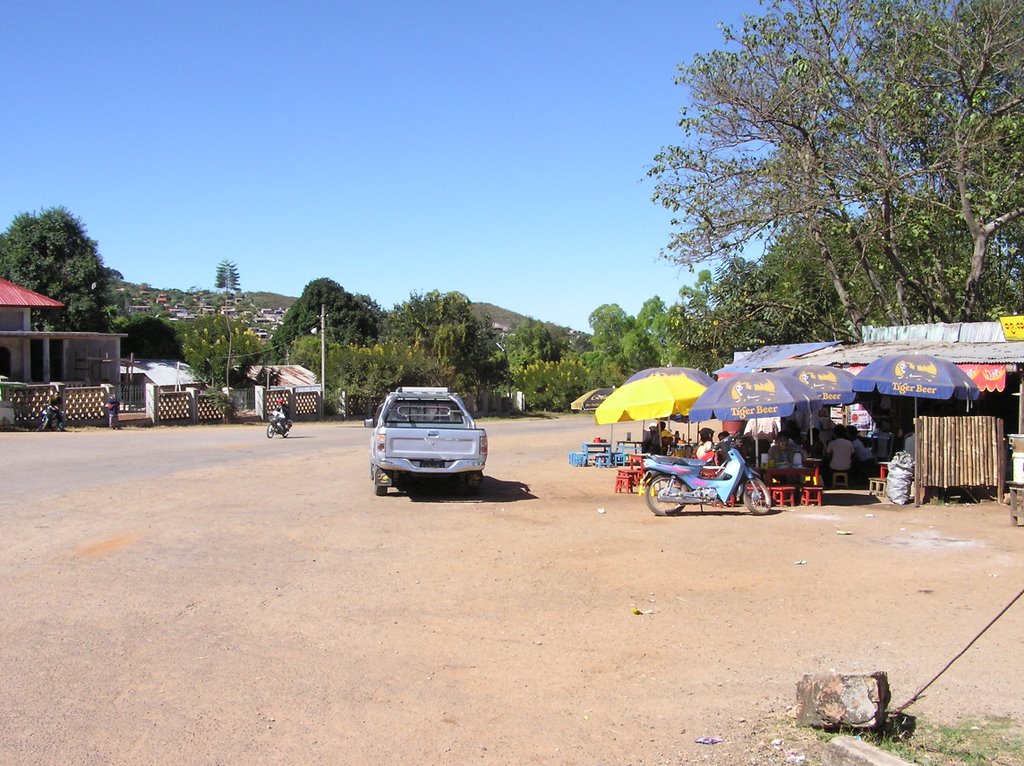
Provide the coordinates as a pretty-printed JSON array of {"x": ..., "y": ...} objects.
[{"x": 1017, "y": 448}]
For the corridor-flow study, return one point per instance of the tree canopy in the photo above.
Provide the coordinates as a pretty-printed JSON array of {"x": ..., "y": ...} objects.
[
  {"x": 208, "y": 342},
  {"x": 52, "y": 254},
  {"x": 888, "y": 133},
  {"x": 349, "y": 318},
  {"x": 466, "y": 350}
]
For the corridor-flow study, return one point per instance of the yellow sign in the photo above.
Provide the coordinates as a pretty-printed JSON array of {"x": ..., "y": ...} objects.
[{"x": 1013, "y": 327}]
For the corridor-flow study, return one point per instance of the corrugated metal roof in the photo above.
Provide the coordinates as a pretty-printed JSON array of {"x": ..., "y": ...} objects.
[
  {"x": 964, "y": 332},
  {"x": 769, "y": 356},
  {"x": 287, "y": 375},
  {"x": 1005, "y": 352},
  {"x": 163, "y": 372},
  {"x": 13, "y": 296}
]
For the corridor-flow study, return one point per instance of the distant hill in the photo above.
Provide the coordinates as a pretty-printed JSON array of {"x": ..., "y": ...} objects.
[
  {"x": 509, "y": 320},
  {"x": 159, "y": 299}
]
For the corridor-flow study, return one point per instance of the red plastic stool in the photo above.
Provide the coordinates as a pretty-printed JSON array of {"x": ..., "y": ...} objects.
[
  {"x": 810, "y": 495},
  {"x": 783, "y": 494},
  {"x": 624, "y": 481}
]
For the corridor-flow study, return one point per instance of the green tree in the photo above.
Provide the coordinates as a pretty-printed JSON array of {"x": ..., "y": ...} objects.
[
  {"x": 148, "y": 337},
  {"x": 442, "y": 325},
  {"x": 207, "y": 342},
  {"x": 350, "y": 319},
  {"x": 865, "y": 123},
  {"x": 227, "y": 279},
  {"x": 609, "y": 324},
  {"x": 52, "y": 254},
  {"x": 529, "y": 343},
  {"x": 552, "y": 386}
]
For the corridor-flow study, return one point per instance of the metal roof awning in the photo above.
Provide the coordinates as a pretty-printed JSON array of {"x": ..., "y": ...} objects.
[
  {"x": 1007, "y": 352},
  {"x": 768, "y": 357}
]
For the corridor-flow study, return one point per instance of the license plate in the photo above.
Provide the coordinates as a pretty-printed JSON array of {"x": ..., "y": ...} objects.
[{"x": 431, "y": 464}]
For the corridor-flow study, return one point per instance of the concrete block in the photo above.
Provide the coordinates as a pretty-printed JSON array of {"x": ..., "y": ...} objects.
[
  {"x": 831, "y": 700},
  {"x": 850, "y": 751}
]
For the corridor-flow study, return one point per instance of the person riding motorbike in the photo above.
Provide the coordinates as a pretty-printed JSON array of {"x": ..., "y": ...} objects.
[
  {"x": 51, "y": 416},
  {"x": 280, "y": 417}
]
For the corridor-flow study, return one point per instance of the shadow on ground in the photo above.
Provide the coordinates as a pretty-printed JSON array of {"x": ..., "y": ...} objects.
[{"x": 492, "y": 490}]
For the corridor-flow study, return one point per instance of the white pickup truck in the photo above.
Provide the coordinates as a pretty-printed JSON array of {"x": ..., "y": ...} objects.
[{"x": 425, "y": 432}]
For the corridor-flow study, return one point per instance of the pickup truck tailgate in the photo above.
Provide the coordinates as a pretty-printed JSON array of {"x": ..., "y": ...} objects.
[{"x": 433, "y": 444}]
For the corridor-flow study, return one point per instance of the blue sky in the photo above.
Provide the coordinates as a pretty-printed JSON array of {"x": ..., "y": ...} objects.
[{"x": 495, "y": 149}]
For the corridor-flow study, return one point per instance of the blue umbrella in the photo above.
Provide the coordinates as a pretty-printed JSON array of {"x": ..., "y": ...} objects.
[
  {"x": 833, "y": 384},
  {"x": 918, "y": 375},
  {"x": 754, "y": 395}
]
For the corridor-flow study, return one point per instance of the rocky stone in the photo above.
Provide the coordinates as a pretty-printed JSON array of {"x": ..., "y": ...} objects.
[{"x": 831, "y": 700}]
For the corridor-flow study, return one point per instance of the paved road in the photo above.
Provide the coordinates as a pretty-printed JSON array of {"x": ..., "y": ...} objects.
[{"x": 36, "y": 465}]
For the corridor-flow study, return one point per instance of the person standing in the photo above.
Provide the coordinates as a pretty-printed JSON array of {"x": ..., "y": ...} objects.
[{"x": 113, "y": 406}]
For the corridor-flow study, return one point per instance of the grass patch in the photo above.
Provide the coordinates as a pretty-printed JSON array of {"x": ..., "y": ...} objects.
[{"x": 981, "y": 742}]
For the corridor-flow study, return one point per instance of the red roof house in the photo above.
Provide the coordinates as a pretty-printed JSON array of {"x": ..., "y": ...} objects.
[{"x": 31, "y": 356}]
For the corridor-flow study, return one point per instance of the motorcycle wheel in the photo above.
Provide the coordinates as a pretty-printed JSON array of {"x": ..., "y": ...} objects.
[
  {"x": 270, "y": 431},
  {"x": 652, "y": 486},
  {"x": 756, "y": 497}
]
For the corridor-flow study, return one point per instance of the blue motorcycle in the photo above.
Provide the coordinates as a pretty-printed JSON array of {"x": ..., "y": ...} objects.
[
  {"x": 51, "y": 419},
  {"x": 673, "y": 482}
]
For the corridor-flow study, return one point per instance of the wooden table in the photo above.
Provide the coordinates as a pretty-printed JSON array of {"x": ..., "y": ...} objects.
[
  {"x": 793, "y": 475},
  {"x": 1016, "y": 510}
]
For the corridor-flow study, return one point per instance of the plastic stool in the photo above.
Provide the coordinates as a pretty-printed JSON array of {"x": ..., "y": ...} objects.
[
  {"x": 577, "y": 459},
  {"x": 810, "y": 495},
  {"x": 783, "y": 494},
  {"x": 624, "y": 481},
  {"x": 840, "y": 476}
]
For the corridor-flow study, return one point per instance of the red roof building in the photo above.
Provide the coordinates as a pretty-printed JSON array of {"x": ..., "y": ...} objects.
[
  {"x": 44, "y": 357},
  {"x": 13, "y": 296}
]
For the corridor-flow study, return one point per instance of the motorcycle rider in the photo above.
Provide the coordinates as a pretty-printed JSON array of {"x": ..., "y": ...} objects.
[
  {"x": 52, "y": 415},
  {"x": 281, "y": 416}
]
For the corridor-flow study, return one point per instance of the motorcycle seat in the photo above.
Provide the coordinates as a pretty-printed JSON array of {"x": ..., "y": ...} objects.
[{"x": 669, "y": 460}]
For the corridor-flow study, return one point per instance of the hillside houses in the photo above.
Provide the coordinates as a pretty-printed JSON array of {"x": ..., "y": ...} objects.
[{"x": 177, "y": 306}]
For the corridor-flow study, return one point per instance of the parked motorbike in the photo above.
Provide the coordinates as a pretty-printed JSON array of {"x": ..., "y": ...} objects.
[
  {"x": 51, "y": 419},
  {"x": 278, "y": 424},
  {"x": 670, "y": 482}
]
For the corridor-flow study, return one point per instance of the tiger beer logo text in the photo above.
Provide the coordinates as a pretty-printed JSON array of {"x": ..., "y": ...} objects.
[{"x": 910, "y": 377}]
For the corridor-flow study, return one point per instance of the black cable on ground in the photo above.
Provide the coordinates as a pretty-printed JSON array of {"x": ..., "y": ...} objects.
[{"x": 917, "y": 695}]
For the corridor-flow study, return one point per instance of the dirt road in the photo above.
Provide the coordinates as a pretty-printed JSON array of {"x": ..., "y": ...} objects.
[{"x": 208, "y": 596}]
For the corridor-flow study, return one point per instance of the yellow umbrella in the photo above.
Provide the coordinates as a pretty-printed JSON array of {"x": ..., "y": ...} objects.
[{"x": 656, "y": 396}]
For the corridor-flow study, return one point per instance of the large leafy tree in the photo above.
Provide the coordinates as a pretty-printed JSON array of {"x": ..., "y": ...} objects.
[
  {"x": 207, "y": 343},
  {"x": 148, "y": 337},
  {"x": 52, "y": 254},
  {"x": 625, "y": 342},
  {"x": 443, "y": 326},
  {"x": 529, "y": 343},
  {"x": 869, "y": 124},
  {"x": 349, "y": 318}
]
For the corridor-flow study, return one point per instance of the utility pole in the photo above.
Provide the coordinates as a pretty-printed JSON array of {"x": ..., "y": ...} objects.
[{"x": 323, "y": 358}]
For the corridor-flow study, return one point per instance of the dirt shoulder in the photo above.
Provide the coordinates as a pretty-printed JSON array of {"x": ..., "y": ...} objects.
[{"x": 256, "y": 604}]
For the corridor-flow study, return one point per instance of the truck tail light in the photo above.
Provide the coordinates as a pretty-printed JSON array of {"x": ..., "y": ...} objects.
[
  {"x": 381, "y": 443},
  {"x": 483, "y": 444}
]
